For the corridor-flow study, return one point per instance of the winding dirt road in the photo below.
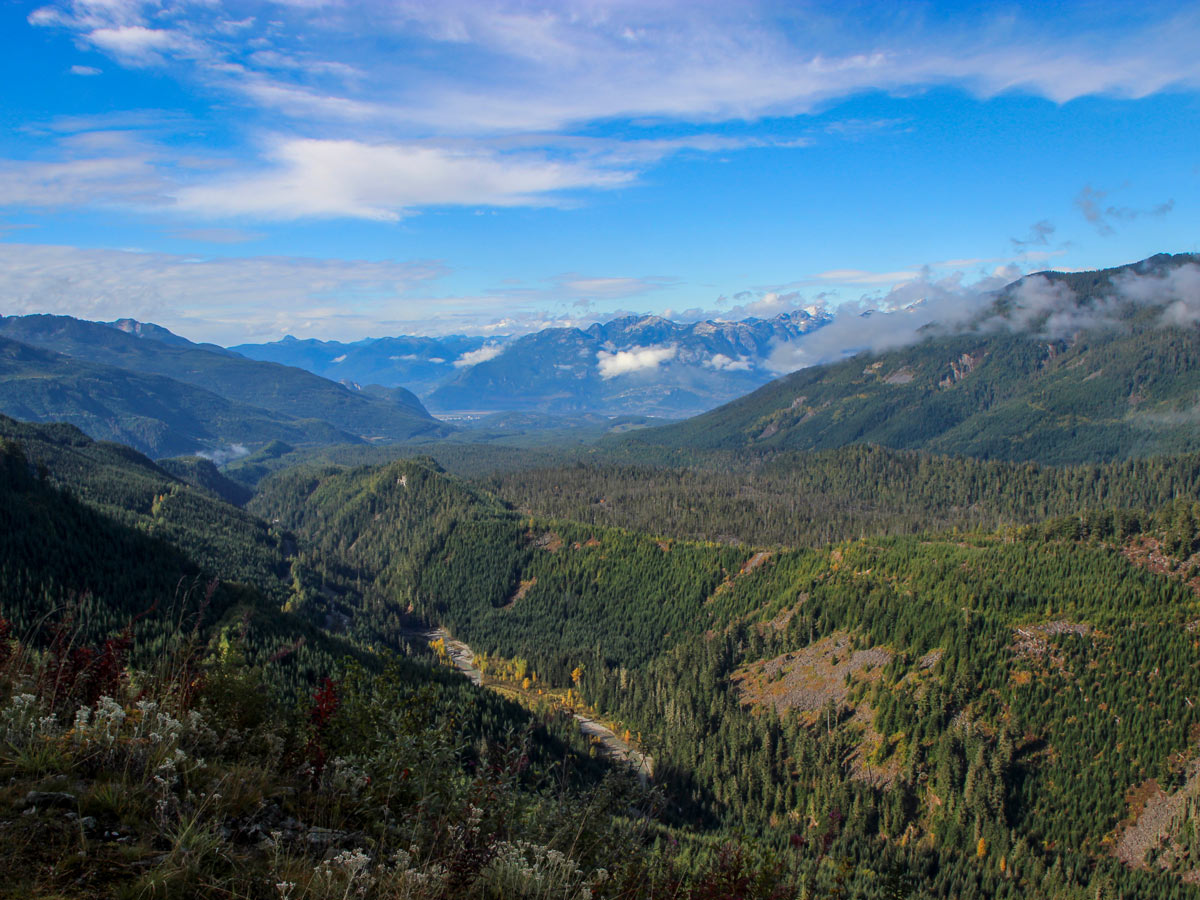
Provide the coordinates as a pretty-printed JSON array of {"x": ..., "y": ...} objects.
[{"x": 614, "y": 747}]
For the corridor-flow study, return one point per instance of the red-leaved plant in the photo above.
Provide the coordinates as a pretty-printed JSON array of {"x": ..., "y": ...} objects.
[{"x": 324, "y": 704}]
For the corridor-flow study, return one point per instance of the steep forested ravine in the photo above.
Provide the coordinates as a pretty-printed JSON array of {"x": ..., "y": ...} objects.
[
  {"x": 462, "y": 657},
  {"x": 1004, "y": 711},
  {"x": 957, "y": 704}
]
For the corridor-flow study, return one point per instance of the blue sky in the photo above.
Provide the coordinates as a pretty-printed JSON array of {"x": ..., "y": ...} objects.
[{"x": 238, "y": 171}]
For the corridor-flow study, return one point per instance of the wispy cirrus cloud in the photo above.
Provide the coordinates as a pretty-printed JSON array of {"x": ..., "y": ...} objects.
[
  {"x": 124, "y": 159},
  {"x": 487, "y": 73},
  {"x": 119, "y": 180},
  {"x": 583, "y": 291},
  {"x": 859, "y": 276},
  {"x": 384, "y": 181},
  {"x": 229, "y": 300},
  {"x": 137, "y": 45},
  {"x": 530, "y": 67},
  {"x": 225, "y": 300}
]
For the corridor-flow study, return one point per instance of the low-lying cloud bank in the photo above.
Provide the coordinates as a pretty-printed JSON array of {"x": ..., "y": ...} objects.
[
  {"x": 1050, "y": 309},
  {"x": 1040, "y": 306},
  {"x": 897, "y": 320},
  {"x": 1178, "y": 290},
  {"x": 221, "y": 456}
]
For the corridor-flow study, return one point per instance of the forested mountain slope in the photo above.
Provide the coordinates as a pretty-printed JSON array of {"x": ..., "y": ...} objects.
[
  {"x": 975, "y": 710},
  {"x": 280, "y": 389},
  {"x": 794, "y": 498},
  {"x": 979, "y": 714},
  {"x": 203, "y": 473},
  {"x": 157, "y": 415},
  {"x": 125, "y": 486},
  {"x": 98, "y": 540},
  {"x": 166, "y": 733},
  {"x": 1061, "y": 368}
]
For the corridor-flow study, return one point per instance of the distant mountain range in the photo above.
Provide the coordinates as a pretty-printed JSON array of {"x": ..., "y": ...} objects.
[
  {"x": 418, "y": 363},
  {"x": 639, "y": 365},
  {"x": 1058, "y": 368},
  {"x": 142, "y": 385},
  {"x": 156, "y": 415},
  {"x": 1055, "y": 368}
]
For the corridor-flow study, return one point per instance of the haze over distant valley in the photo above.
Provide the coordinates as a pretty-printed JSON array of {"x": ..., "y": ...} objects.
[{"x": 637, "y": 365}]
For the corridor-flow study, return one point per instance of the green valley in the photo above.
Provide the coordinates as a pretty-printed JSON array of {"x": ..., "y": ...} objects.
[{"x": 861, "y": 666}]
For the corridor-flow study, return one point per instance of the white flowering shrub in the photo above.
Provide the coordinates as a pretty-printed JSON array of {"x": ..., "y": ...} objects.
[
  {"x": 356, "y": 873},
  {"x": 345, "y": 778},
  {"x": 350, "y": 871},
  {"x": 20, "y": 720},
  {"x": 99, "y": 726},
  {"x": 413, "y": 882},
  {"x": 526, "y": 870},
  {"x": 145, "y": 739}
]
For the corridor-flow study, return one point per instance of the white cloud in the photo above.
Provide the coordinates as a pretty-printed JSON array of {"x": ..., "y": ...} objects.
[
  {"x": 758, "y": 305},
  {"x": 84, "y": 70},
  {"x": 304, "y": 103},
  {"x": 723, "y": 363},
  {"x": 707, "y": 61},
  {"x": 384, "y": 181},
  {"x": 859, "y": 276},
  {"x": 608, "y": 287},
  {"x": 1037, "y": 305},
  {"x": 220, "y": 457},
  {"x": 474, "y": 357},
  {"x": 897, "y": 319},
  {"x": 1051, "y": 304},
  {"x": 508, "y": 67},
  {"x": 1051, "y": 309},
  {"x": 224, "y": 300},
  {"x": 114, "y": 160},
  {"x": 136, "y": 44},
  {"x": 636, "y": 359},
  {"x": 253, "y": 298},
  {"x": 129, "y": 180},
  {"x": 1178, "y": 290}
]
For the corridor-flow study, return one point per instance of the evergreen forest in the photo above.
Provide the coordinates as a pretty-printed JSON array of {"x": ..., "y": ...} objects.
[{"x": 873, "y": 631}]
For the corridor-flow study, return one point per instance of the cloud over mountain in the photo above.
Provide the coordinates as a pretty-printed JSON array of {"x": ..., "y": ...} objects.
[{"x": 635, "y": 359}]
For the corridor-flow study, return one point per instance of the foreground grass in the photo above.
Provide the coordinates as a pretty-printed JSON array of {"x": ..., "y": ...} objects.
[{"x": 197, "y": 780}]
